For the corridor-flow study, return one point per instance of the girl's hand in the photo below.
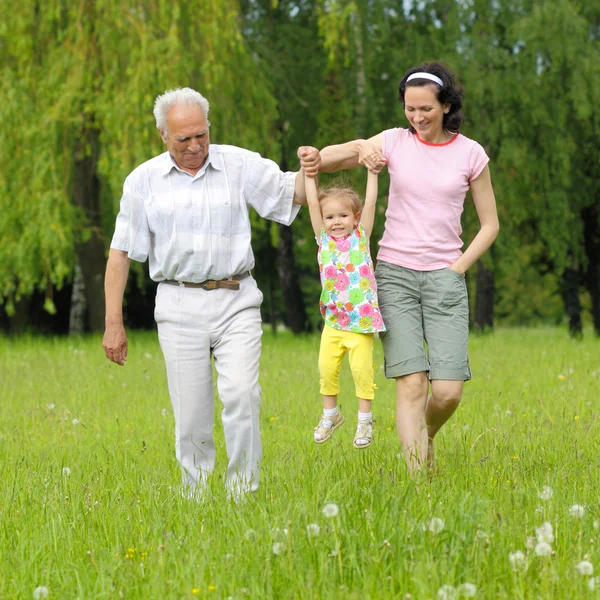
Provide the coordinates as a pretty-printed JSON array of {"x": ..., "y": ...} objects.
[
  {"x": 310, "y": 160},
  {"x": 370, "y": 157}
]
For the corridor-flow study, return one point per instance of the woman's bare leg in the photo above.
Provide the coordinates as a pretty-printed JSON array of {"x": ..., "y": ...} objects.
[
  {"x": 411, "y": 400},
  {"x": 441, "y": 404}
]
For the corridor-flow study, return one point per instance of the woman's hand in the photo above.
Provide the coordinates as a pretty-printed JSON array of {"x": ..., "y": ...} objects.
[
  {"x": 310, "y": 160},
  {"x": 370, "y": 157}
]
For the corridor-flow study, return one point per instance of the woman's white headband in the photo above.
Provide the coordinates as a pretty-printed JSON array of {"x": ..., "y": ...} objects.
[{"x": 429, "y": 76}]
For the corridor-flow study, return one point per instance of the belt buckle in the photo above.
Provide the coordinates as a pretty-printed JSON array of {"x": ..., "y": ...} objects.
[{"x": 210, "y": 285}]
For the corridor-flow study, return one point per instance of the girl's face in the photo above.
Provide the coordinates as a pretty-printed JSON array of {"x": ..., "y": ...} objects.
[
  {"x": 425, "y": 112},
  {"x": 339, "y": 219}
]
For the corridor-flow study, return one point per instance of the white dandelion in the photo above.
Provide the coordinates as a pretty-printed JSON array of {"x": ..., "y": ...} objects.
[
  {"x": 530, "y": 542},
  {"x": 468, "y": 590},
  {"x": 543, "y": 549},
  {"x": 50, "y": 406},
  {"x": 40, "y": 592},
  {"x": 577, "y": 511},
  {"x": 596, "y": 524},
  {"x": 164, "y": 412},
  {"x": 66, "y": 472},
  {"x": 147, "y": 355},
  {"x": 436, "y": 525},
  {"x": 331, "y": 510},
  {"x": 446, "y": 592},
  {"x": 585, "y": 567},
  {"x": 278, "y": 548},
  {"x": 517, "y": 560},
  {"x": 546, "y": 493},
  {"x": 313, "y": 530},
  {"x": 250, "y": 534},
  {"x": 482, "y": 535},
  {"x": 545, "y": 533},
  {"x": 75, "y": 421}
]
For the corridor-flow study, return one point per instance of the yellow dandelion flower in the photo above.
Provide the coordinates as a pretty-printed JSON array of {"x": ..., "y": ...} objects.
[
  {"x": 195, "y": 591},
  {"x": 212, "y": 588}
]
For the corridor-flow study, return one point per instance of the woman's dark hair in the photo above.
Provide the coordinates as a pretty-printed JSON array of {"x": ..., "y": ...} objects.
[{"x": 450, "y": 93}]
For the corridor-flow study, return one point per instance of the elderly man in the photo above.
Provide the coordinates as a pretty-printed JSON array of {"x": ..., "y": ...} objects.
[{"x": 186, "y": 211}]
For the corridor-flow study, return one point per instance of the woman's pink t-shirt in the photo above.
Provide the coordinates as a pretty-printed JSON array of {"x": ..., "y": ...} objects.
[{"x": 428, "y": 185}]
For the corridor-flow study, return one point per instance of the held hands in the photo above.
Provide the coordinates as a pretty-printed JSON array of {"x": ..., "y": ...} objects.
[
  {"x": 370, "y": 157},
  {"x": 310, "y": 160},
  {"x": 114, "y": 343}
]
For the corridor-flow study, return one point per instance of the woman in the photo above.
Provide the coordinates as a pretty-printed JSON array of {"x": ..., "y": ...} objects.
[{"x": 420, "y": 270}]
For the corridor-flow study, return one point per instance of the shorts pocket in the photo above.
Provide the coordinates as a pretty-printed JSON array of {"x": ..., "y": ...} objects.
[{"x": 452, "y": 288}]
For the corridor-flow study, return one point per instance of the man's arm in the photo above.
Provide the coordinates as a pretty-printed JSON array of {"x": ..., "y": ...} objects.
[{"x": 115, "y": 280}]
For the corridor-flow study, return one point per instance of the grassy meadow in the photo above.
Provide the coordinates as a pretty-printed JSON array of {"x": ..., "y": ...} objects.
[{"x": 90, "y": 503}]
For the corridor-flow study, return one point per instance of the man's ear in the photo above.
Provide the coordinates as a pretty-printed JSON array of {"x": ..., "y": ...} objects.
[{"x": 163, "y": 135}]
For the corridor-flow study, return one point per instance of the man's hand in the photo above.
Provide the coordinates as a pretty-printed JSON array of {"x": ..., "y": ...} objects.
[
  {"x": 310, "y": 160},
  {"x": 114, "y": 343}
]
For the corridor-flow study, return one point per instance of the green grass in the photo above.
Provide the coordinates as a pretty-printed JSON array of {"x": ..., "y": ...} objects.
[{"x": 118, "y": 527}]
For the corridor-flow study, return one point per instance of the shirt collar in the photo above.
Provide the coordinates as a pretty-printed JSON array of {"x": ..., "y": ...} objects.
[{"x": 214, "y": 159}]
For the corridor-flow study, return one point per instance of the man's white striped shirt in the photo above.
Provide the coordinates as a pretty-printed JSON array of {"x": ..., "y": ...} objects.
[{"x": 194, "y": 228}]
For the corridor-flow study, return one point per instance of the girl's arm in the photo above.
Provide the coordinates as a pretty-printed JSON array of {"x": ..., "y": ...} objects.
[
  {"x": 353, "y": 154},
  {"x": 367, "y": 217},
  {"x": 314, "y": 208},
  {"x": 485, "y": 204}
]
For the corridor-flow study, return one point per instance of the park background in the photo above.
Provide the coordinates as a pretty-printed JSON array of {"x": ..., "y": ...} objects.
[
  {"x": 78, "y": 84},
  {"x": 90, "y": 503}
]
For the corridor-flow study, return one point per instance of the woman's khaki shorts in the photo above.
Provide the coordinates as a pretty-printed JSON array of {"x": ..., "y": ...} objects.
[{"x": 421, "y": 307}]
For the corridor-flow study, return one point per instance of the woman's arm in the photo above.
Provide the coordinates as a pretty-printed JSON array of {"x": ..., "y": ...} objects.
[
  {"x": 367, "y": 216},
  {"x": 314, "y": 207},
  {"x": 352, "y": 154},
  {"x": 485, "y": 204}
]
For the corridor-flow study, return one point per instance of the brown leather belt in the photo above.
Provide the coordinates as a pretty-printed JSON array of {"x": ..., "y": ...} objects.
[{"x": 233, "y": 283}]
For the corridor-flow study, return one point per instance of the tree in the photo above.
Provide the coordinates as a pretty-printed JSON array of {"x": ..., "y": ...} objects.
[{"x": 79, "y": 81}]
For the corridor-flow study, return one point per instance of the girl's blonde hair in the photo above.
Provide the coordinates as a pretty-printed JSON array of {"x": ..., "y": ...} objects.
[{"x": 347, "y": 193}]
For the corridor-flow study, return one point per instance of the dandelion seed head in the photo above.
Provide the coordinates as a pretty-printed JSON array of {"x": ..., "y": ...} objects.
[
  {"x": 313, "y": 530},
  {"x": 75, "y": 421},
  {"x": 546, "y": 493},
  {"x": 66, "y": 472},
  {"x": 585, "y": 567},
  {"x": 577, "y": 511},
  {"x": 517, "y": 560},
  {"x": 543, "y": 549},
  {"x": 446, "y": 592},
  {"x": 436, "y": 525},
  {"x": 467, "y": 590},
  {"x": 250, "y": 534},
  {"x": 545, "y": 533},
  {"x": 40, "y": 592},
  {"x": 164, "y": 412},
  {"x": 331, "y": 510},
  {"x": 278, "y": 548},
  {"x": 50, "y": 406},
  {"x": 530, "y": 542}
]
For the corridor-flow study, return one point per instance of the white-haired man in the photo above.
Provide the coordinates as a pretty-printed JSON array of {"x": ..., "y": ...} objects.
[{"x": 186, "y": 211}]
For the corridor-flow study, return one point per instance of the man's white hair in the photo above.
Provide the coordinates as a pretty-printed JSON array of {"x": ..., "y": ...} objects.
[{"x": 171, "y": 98}]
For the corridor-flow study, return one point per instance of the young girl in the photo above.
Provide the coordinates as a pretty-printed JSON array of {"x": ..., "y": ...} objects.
[{"x": 348, "y": 300}]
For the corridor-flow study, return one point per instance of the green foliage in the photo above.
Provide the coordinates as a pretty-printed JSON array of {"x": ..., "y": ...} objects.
[{"x": 69, "y": 68}]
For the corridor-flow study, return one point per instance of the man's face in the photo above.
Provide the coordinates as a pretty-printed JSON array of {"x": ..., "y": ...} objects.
[{"x": 187, "y": 138}]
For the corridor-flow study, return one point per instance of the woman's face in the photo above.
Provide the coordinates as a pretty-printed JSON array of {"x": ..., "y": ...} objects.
[{"x": 425, "y": 112}]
